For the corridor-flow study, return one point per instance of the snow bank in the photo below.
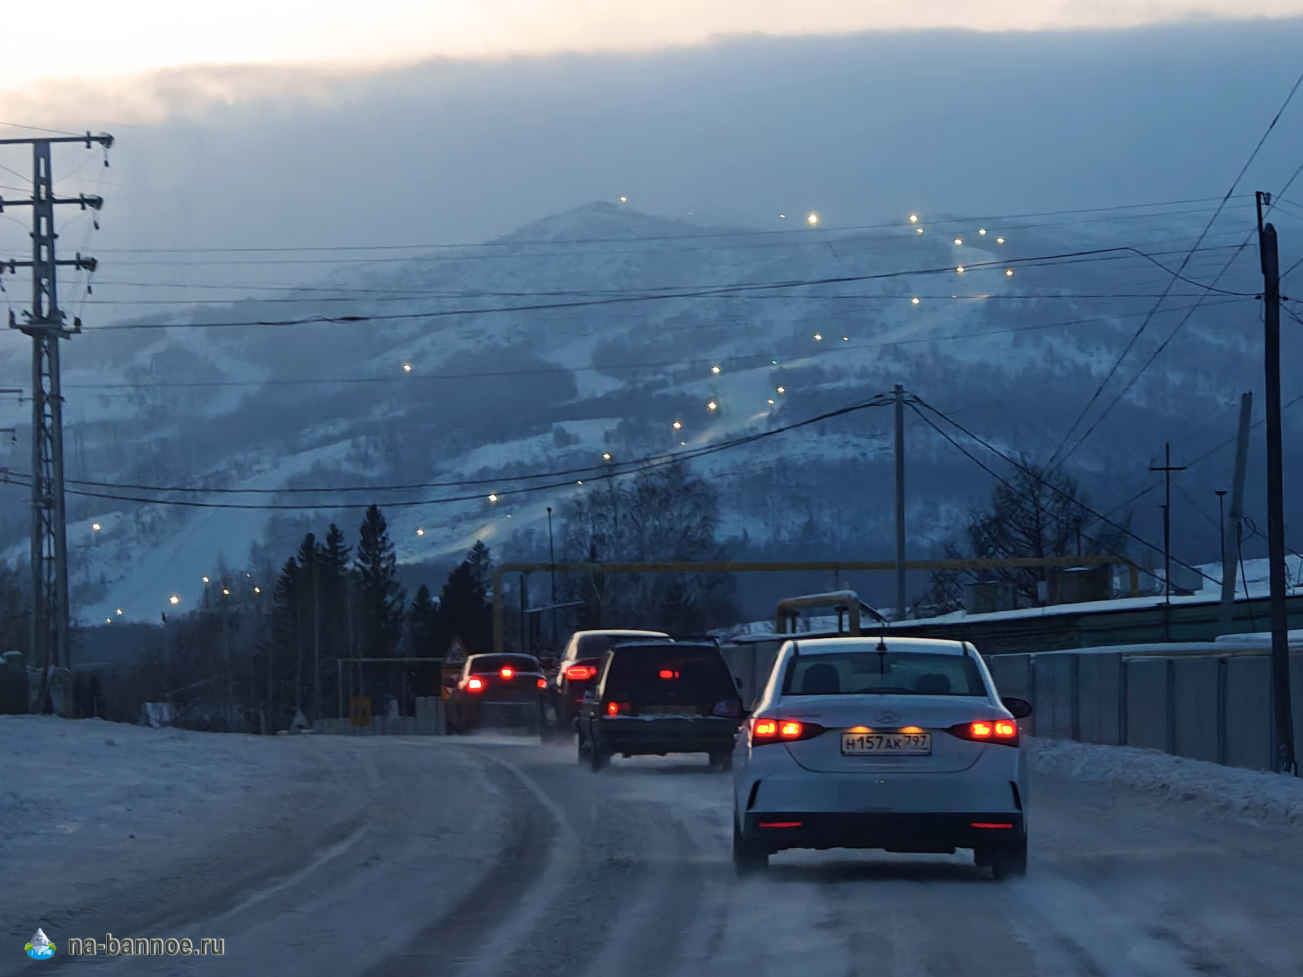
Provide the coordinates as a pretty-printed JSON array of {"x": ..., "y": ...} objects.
[{"x": 1210, "y": 788}]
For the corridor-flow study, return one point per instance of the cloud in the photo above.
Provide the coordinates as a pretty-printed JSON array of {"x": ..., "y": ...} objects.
[{"x": 858, "y": 126}]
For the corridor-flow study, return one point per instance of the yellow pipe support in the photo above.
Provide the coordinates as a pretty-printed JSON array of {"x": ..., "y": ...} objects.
[{"x": 733, "y": 566}]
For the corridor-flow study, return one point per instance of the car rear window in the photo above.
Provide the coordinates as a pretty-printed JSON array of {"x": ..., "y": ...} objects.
[
  {"x": 487, "y": 664},
  {"x": 877, "y": 673},
  {"x": 597, "y": 645},
  {"x": 648, "y": 675}
]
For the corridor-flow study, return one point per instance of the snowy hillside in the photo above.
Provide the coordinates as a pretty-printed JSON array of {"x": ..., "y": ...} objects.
[{"x": 594, "y": 330}]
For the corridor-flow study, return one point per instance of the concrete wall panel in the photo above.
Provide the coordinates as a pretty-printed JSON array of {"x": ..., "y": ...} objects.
[
  {"x": 1195, "y": 705},
  {"x": 1099, "y": 698},
  {"x": 1052, "y": 677},
  {"x": 1146, "y": 706},
  {"x": 1248, "y": 711}
]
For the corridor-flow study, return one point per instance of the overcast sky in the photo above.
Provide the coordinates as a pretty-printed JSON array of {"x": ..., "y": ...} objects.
[
  {"x": 861, "y": 127},
  {"x": 89, "y": 38}
]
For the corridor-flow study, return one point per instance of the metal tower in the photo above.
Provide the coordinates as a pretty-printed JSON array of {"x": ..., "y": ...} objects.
[{"x": 45, "y": 323}]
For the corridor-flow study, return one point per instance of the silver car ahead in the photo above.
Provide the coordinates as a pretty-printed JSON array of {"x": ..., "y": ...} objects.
[{"x": 901, "y": 744}]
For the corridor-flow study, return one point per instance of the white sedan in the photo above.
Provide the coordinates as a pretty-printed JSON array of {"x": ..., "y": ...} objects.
[{"x": 900, "y": 744}]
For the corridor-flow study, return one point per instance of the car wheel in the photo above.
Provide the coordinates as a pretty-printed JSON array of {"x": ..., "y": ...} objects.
[
  {"x": 1008, "y": 862},
  {"x": 580, "y": 750},
  {"x": 747, "y": 858},
  {"x": 721, "y": 761},
  {"x": 597, "y": 758}
]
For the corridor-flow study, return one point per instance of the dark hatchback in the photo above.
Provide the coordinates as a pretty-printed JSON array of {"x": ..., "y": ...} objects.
[{"x": 660, "y": 698}]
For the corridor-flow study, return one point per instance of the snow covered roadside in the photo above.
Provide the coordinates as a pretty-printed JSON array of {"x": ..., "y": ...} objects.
[
  {"x": 1208, "y": 787},
  {"x": 111, "y": 827}
]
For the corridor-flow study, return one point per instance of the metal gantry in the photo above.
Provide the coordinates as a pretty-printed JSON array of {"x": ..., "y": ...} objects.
[{"x": 46, "y": 324}]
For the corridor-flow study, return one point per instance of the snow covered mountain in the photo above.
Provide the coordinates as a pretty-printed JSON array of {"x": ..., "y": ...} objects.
[{"x": 593, "y": 331}]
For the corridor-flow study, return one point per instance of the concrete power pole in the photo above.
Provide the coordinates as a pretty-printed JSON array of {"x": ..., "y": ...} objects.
[
  {"x": 1281, "y": 703},
  {"x": 45, "y": 324},
  {"x": 899, "y": 396},
  {"x": 1234, "y": 529},
  {"x": 1167, "y": 468}
]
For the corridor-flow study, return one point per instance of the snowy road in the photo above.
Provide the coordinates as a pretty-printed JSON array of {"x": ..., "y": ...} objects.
[{"x": 483, "y": 856}]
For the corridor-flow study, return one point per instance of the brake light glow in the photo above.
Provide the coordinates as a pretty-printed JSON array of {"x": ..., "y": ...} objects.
[
  {"x": 778, "y": 824},
  {"x": 668, "y": 673},
  {"x": 1003, "y": 731},
  {"x": 996, "y": 825},
  {"x": 782, "y": 731},
  {"x": 580, "y": 673},
  {"x": 507, "y": 671},
  {"x": 542, "y": 683},
  {"x": 613, "y": 708},
  {"x": 475, "y": 684}
]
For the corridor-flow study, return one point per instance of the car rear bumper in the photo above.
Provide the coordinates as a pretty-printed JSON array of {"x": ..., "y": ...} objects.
[
  {"x": 926, "y": 832},
  {"x": 633, "y": 735}
]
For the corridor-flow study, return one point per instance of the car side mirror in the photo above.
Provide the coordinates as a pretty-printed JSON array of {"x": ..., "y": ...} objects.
[{"x": 1018, "y": 708}]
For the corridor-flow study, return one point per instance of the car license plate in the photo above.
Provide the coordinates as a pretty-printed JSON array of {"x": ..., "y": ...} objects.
[{"x": 886, "y": 744}]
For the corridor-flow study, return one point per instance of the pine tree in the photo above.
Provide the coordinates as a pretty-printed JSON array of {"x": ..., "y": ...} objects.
[
  {"x": 380, "y": 598},
  {"x": 464, "y": 608},
  {"x": 422, "y": 625}
]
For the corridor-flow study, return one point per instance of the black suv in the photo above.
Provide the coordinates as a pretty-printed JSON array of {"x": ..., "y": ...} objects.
[{"x": 659, "y": 698}]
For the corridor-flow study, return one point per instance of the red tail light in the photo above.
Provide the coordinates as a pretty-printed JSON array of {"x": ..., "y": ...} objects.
[
  {"x": 778, "y": 824},
  {"x": 988, "y": 731},
  {"x": 542, "y": 683},
  {"x": 668, "y": 673},
  {"x": 580, "y": 673},
  {"x": 475, "y": 684},
  {"x": 782, "y": 731},
  {"x": 993, "y": 825},
  {"x": 616, "y": 708},
  {"x": 507, "y": 671}
]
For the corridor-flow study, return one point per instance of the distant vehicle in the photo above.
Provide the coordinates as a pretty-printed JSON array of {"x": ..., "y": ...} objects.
[
  {"x": 660, "y": 698},
  {"x": 497, "y": 690},
  {"x": 578, "y": 668},
  {"x": 901, "y": 744}
]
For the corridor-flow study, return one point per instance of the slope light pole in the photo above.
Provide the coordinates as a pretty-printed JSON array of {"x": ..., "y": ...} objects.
[
  {"x": 1281, "y": 703},
  {"x": 46, "y": 324}
]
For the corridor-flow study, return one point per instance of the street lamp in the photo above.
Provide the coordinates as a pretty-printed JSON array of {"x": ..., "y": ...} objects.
[
  {"x": 95, "y": 527},
  {"x": 712, "y": 406},
  {"x": 606, "y": 456},
  {"x": 551, "y": 555},
  {"x": 174, "y": 600}
]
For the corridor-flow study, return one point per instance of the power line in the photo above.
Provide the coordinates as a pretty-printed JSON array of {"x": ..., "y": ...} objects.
[
  {"x": 1175, "y": 329},
  {"x": 1039, "y": 479},
  {"x": 708, "y": 292},
  {"x": 17, "y": 478},
  {"x": 1054, "y": 458},
  {"x": 732, "y": 362},
  {"x": 57, "y": 132},
  {"x": 702, "y": 235}
]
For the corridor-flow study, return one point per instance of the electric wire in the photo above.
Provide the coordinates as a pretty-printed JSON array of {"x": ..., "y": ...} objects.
[{"x": 1055, "y": 457}]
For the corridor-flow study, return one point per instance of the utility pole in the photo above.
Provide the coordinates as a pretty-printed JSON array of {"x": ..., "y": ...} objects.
[
  {"x": 899, "y": 396},
  {"x": 1282, "y": 706},
  {"x": 1221, "y": 527},
  {"x": 1167, "y": 468},
  {"x": 45, "y": 324},
  {"x": 551, "y": 555},
  {"x": 1231, "y": 540}
]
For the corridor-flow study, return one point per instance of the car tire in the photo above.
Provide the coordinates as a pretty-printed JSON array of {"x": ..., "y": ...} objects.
[
  {"x": 747, "y": 858},
  {"x": 580, "y": 751},
  {"x": 722, "y": 762},
  {"x": 1008, "y": 862},
  {"x": 597, "y": 758}
]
